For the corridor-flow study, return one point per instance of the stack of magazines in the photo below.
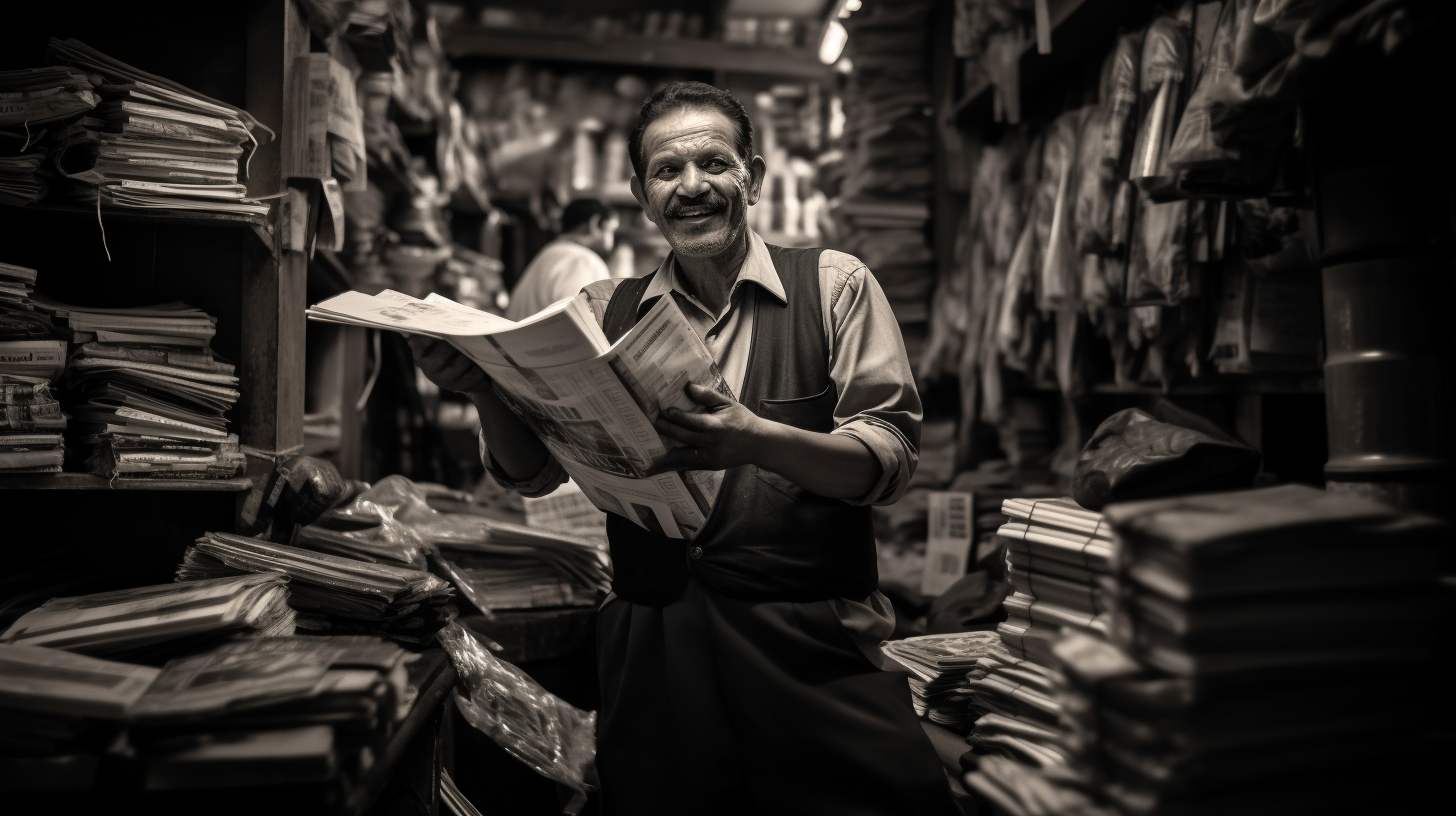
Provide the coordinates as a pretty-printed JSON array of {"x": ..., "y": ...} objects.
[
  {"x": 54, "y": 702},
  {"x": 331, "y": 593},
  {"x": 19, "y": 320},
  {"x": 34, "y": 101},
  {"x": 1246, "y": 631},
  {"x": 500, "y": 565},
  {"x": 151, "y": 620},
  {"x": 938, "y": 666},
  {"x": 31, "y": 422},
  {"x": 146, "y": 393},
  {"x": 152, "y": 143},
  {"x": 1058, "y": 555}
]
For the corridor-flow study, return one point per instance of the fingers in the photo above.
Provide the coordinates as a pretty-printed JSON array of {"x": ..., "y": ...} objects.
[
  {"x": 701, "y": 423},
  {"x": 678, "y": 433},
  {"x": 675, "y": 459}
]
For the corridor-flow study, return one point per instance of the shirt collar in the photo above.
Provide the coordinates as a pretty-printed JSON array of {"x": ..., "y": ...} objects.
[{"x": 757, "y": 268}]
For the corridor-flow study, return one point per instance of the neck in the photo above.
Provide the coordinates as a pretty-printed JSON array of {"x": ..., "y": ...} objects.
[{"x": 710, "y": 279}]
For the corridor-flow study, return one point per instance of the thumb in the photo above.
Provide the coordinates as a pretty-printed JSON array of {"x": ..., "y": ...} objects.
[{"x": 706, "y": 396}]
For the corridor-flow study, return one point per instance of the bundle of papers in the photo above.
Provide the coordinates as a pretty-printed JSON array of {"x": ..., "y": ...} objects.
[
  {"x": 499, "y": 565},
  {"x": 151, "y": 143},
  {"x": 31, "y": 419},
  {"x": 31, "y": 422},
  {"x": 1266, "y": 742},
  {"x": 158, "y": 619},
  {"x": 146, "y": 394},
  {"x": 369, "y": 526},
  {"x": 33, "y": 101},
  {"x": 332, "y": 593},
  {"x": 1059, "y": 559},
  {"x": 938, "y": 665},
  {"x": 53, "y": 701},
  {"x": 1288, "y": 578},
  {"x": 19, "y": 320}
]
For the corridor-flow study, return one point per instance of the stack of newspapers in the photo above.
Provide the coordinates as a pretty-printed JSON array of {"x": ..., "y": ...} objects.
[
  {"x": 152, "y": 620},
  {"x": 1247, "y": 629},
  {"x": 1058, "y": 557},
  {"x": 331, "y": 593},
  {"x": 146, "y": 394},
  {"x": 55, "y": 702},
  {"x": 32, "y": 102},
  {"x": 31, "y": 419},
  {"x": 152, "y": 143},
  {"x": 938, "y": 666},
  {"x": 590, "y": 401}
]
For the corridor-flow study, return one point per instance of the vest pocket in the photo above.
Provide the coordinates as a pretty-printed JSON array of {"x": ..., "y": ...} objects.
[{"x": 814, "y": 413}]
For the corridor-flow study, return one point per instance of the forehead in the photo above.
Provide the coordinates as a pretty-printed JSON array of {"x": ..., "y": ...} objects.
[{"x": 689, "y": 129}]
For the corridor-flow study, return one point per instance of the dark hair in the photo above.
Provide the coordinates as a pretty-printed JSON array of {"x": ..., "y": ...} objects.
[
  {"x": 679, "y": 95},
  {"x": 580, "y": 211}
]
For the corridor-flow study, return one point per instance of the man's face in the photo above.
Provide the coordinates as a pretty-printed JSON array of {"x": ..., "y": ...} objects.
[{"x": 695, "y": 186}]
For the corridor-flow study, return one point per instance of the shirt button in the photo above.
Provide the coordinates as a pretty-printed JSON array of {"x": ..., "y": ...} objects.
[{"x": 695, "y": 553}]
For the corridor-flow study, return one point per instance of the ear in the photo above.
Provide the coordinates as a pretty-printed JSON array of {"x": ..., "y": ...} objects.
[
  {"x": 757, "y": 170},
  {"x": 641, "y": 196}
]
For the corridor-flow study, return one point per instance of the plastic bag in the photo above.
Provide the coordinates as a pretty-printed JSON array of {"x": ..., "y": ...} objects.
[
  {"x": 1164, "y": 66},
  {"x": 374, "y": 526},
  {"x": 552, "y": 737},
  {"x": 312, "y": 487},
  {"x": 1137, "y": 455},
  {"x": 1060, "y": 269}
]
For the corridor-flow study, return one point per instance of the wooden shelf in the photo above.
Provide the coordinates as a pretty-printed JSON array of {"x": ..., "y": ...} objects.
[
  {"x": 433, "y": 676},
  {"x": 256, "y": 224},
  {"x": 464, "y": 40},
  {"x": 88, "y": 481},
  {"x": 1079, "y": 28}
]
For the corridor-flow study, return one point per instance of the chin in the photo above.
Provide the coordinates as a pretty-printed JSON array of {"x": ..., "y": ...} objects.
[{"x": 704, "y": 246}]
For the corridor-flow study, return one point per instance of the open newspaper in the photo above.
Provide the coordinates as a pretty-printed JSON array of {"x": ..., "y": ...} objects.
[{"x": 590, "y": 401}]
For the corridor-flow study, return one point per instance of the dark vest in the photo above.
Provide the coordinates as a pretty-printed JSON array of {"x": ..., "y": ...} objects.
[{"x": 767, "y": 538}]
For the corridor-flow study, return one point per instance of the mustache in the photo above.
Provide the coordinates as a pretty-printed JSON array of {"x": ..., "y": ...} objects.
[{"x": 710, "y": 203}]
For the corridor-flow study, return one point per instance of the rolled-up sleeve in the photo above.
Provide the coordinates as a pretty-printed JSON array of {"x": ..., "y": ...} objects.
[
  {"x": 878, "y": 404},
  {"x": 552, "y": 475}
]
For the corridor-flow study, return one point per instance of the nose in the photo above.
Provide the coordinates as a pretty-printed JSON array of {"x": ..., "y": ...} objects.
[{"x": 692, "y": 182}]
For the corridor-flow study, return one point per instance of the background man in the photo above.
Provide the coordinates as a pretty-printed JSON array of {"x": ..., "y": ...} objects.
[
  {"x": 740, "y": 670},
  {"x": 566, "y": 265}
]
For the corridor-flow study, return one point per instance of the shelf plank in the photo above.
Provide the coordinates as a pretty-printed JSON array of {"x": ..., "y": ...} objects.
[
  {"x": 1078, "y": 28},
  {"x": 463, "y": 40},
  {"x": 89, "y": 481},
  {"x": 434, "y": 677}
]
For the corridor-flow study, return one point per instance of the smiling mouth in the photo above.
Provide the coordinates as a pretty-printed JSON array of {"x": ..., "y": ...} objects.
[{"x": 695, "y": 213}]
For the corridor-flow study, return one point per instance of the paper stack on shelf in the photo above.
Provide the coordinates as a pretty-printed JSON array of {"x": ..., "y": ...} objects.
[
  {"x": 32, "y": 101},
  {"x": 884, "y": 202},
  {"x": 31, "y": 422},
  {"x": 19, "y": 320},
  {"x": 938, "y": 666},
  {"x": 1245, "y": 630},
  {"x": 500, "y": 565},
  {"x": 146, "y": 394},
  {"x": 1058, "y": 555},
  {"x": 53, "y": 701},
  {"x": 152, "y": 143},
  {"x": 161, "y": 619},
  {"x": 333, "y": 594}
]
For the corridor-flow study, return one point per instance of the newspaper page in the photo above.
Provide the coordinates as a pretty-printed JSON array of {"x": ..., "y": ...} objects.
[{"x": 593, "y": 410}]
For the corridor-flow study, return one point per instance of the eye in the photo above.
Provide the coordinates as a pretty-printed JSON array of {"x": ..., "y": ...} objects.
[
  {"x": 715, "y": 165},
  {"x": 665, "y": 171}
]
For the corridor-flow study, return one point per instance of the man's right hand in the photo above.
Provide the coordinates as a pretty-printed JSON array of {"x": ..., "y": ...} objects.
[{"x": 447, "y": 367}]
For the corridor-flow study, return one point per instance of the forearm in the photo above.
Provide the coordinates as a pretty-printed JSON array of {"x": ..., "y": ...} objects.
[
  {"x": 513, "y": 445},
  {"x": 838, "y": 467}
]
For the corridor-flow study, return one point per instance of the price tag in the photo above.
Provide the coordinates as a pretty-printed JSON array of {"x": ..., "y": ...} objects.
[{"x": 948, "y": 547}]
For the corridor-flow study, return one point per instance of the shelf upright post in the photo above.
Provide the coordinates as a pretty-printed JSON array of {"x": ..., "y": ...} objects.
[{"x": 270, "y": 413}]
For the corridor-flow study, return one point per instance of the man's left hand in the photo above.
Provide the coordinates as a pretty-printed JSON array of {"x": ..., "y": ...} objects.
[{"x": 726, "y": 435}]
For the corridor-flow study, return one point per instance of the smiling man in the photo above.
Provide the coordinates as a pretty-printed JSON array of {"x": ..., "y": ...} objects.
[{"x": 740, "y": 669}]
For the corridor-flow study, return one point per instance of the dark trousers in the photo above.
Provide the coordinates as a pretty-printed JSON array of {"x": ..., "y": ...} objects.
[{"x": 717, "y": 705}]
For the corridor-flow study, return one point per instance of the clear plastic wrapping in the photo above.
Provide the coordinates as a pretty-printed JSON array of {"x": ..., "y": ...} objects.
[
  {"x": 552, "y": 737},
  {"x": 376, "y": 526}
]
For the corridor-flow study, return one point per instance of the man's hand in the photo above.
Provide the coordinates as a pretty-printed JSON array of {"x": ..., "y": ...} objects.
[
  {"x": 447, "y": 367},
  {"x": 726, "y": 435}
]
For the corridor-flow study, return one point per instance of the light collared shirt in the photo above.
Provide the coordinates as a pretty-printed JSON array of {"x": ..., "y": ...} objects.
[
  {"x": 877, "y": 405},
  {"x": 559, "y": 270}
]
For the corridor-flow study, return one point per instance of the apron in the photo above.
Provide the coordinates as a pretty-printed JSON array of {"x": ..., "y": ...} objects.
[{"x": 729, "y": 683}]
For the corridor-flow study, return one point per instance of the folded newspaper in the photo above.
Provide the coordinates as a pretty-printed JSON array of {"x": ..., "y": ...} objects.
[{"x": 590, "y": 401}]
